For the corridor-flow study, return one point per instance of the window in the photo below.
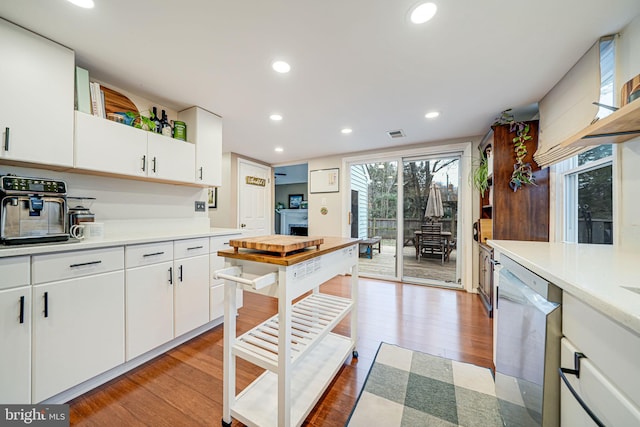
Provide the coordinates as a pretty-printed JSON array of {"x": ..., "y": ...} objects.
[{"x": 588, "y": 196}]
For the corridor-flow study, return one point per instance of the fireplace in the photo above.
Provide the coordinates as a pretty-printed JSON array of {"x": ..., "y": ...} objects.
[{"x": 298, "y": 230}]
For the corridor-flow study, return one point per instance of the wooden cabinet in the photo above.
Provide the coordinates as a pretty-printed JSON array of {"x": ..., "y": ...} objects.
[
  {"x": 216, "y": 292},
  {"x": 191, "y": 284},
  {"x": 204, "y": 129},
  {"x": 485, "y": 277},
  {"x": 15, "y": 330},
  {"x": 109, "y": 147},
  {"x": 36, "y": 106},
  {"x": 78, "y": 320},
  {"x": 521, "y": 214},
  {"x": 148, "y": 296}
]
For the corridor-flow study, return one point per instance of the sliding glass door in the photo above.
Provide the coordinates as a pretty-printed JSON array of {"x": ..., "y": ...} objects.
[
  {"x": 391, "y": 200},
  {"x": 430, "y": 218},
  {"x": 374, "y": 207}
]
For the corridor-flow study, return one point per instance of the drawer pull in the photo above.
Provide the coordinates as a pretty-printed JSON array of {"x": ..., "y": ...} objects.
[
  {"x": 576, "y": 371},
  {"x": 144, "y": 163},
  {"x": 82, "y": 264},
  {"x": 46, "y": 304},
  {"x": 6, "y": 139},
  {"x": 200, "y": 173},
  {"x": 22, "y": 309},
  {"x": 153, "y": 254},
  {"x": 154, "y": 165},
  {"x": 195, "y": 247},
  {"x": 180, "y": 273},
  {"x": 171, "y": 275}
]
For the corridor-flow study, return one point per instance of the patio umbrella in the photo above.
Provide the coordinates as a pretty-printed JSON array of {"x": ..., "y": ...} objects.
[{"x": 434, "y": 208}]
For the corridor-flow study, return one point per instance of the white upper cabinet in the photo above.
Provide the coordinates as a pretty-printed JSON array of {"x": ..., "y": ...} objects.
[
  {"x": 36, "y": 98},
  {"x": 105, "y": 146},
  {"x": 205, "y": 130},
  {"x": 170, "y": 158}
]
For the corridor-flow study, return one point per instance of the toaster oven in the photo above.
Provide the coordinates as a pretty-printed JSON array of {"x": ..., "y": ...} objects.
[{"x": 32, "y": 210}]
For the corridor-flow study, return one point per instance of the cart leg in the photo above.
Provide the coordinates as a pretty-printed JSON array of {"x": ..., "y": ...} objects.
[
  {"x": 354, "y": 311},
  {"x": 229, "y": 360}
]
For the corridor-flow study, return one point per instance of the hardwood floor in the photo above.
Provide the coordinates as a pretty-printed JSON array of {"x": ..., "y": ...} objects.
[{"x": 184, "y": 386}]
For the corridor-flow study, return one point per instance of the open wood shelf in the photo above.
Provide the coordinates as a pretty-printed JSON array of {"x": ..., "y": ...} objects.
[{"x": 620, "y": 126}]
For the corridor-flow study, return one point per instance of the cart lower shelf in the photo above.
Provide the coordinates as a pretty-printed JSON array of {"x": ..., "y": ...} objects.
[
  {"x": 311, "y": 318},
  {"x": 257, "y": 405}
]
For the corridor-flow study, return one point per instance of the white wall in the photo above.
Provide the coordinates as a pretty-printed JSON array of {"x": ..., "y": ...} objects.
[
  {"x": 330, "y": 224},
  {"x": 124, "y": 204},
  {"x": 629, "y": 152}
]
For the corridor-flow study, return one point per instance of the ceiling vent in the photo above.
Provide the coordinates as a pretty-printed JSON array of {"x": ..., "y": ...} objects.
[{"x": 395, "y": 133}]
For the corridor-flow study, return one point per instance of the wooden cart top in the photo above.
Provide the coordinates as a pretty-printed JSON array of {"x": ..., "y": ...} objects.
[{"x": 284, "y": 250}]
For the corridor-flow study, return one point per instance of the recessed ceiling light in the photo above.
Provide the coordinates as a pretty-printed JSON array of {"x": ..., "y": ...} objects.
[
  {"x": 279, "y": 149},
  {"x": 423, "y": 12},
  {"x": 87, "y": 4},
  {"x": 275, "y": 117},
  {"x": 281, "y": 66},
  {"x": 346, "y": 130},
  {"x": 432, "y": 115}
]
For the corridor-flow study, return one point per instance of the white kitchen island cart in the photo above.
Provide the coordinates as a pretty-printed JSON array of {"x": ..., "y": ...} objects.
[{"x": 296, "y": 347}]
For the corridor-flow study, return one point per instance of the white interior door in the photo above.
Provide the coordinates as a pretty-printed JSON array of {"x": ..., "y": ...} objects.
[{"x": 254, "y": 198}]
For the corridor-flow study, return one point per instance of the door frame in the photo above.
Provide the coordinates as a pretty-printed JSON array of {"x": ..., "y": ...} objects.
[{"x": 465, "y": 206}]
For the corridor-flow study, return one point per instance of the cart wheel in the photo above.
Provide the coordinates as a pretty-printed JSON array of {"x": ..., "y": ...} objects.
[
  {"x": 225, "y": 424},
  {"x": 355, "y": 354}
]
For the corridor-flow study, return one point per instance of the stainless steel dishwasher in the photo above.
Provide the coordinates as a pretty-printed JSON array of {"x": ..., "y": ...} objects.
[{"x": 527, "y": 347}]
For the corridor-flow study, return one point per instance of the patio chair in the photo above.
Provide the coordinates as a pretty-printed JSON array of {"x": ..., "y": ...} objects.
[{"x": 431, "y": 241}]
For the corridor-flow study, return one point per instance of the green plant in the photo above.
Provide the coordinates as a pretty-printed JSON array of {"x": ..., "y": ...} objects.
[
  {"x": 141, "y": 122},
  {"x": 480, "y": 174},
  {"x": 522, "y": 172}
]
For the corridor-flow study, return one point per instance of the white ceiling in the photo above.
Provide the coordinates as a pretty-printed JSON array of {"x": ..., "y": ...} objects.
[{"x": 355, "y": 63}]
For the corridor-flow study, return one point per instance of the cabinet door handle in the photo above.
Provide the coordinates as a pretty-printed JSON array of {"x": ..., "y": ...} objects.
[
  {"x": 195, "y": 247},
  {"x": 200, "y": 173},
  {"x": 171, "y": 275},
  {"x": 22, "y": 309},
  {"x": 46, "y": 304},
  {"x": 144, "y": 162},
  {"x": 153, "y": 168},
  {"x": 153, "y": 254},
  {"x": 82, "y": 264},
  {"x": 576, "y": 371},
  {"x": 6, "y": 139},
  {"x": 180, "y": 273}
]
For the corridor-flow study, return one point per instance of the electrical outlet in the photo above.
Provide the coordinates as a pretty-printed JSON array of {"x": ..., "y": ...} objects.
[{"x": 200, "y": 206}]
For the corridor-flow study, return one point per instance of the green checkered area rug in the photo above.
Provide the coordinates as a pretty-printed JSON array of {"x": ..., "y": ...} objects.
[{"x": 409, "y": 388}]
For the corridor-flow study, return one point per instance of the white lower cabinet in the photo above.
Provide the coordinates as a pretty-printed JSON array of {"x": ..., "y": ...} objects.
[
  {"x": 191, "y": 284},
  {"x": 78, "y": 319},
  {"x": 216, "y": 293},
  {"x": 608, "y": 378},
  {"x": 149, "y": 297},
  {"x": 15, "y": 330}
]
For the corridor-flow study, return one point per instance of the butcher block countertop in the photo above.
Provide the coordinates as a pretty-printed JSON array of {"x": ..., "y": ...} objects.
[{"x": 305, "y": 248}]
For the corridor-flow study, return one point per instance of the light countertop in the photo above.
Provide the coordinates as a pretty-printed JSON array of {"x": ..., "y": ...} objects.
[
  {"x": 595, "y": 274},
  {"x": 111, "y": 240}
]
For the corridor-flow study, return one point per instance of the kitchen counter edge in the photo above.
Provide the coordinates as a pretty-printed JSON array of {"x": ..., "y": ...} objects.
[{"x": 74, "y": 245}]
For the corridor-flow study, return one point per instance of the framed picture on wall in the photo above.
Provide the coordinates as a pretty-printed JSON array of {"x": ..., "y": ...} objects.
[
  {"x": 295, "y": 200},
  {"x": 213, "y": 197},
  {"x": 324, "y": 181}
]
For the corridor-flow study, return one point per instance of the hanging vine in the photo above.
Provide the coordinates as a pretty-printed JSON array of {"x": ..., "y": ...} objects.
[{"x": 522, "y": 172}]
